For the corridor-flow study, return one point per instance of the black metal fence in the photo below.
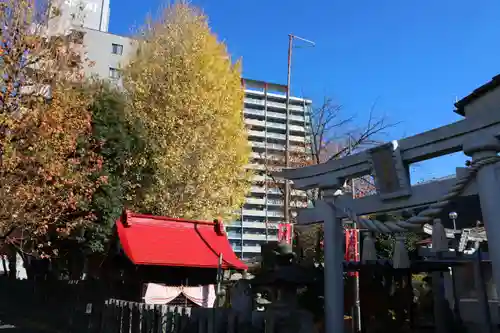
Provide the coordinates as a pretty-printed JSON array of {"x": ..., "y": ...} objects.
[{"x": 64, "y": 306}]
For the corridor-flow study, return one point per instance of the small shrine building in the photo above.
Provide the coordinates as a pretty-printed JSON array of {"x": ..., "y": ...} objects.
[{"x": 158, "y": 260}]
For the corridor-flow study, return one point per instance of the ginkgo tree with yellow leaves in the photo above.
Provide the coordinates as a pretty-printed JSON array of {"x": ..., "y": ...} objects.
[{"x": 187, "y": 93}]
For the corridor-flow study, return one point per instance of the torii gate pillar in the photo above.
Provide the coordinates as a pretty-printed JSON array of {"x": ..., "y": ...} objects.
[
  {"x": 334, "y": 268},
  {"x": 488, "y": 185}
]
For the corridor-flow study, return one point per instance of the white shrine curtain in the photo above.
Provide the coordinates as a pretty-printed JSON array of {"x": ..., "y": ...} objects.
[{"x": 203, "y": 296}]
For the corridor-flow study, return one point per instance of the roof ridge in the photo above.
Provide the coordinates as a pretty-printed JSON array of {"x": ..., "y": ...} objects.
[{"x": 128, "y": 214}]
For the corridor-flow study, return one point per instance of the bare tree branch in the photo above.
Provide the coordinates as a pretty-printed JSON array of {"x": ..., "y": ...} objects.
[
  {"x": 366, "y": 136},
  {"x": 333, "y": 138}
]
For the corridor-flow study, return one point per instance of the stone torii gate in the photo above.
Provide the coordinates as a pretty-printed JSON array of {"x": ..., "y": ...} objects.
[{"x": 477, "y": 136}]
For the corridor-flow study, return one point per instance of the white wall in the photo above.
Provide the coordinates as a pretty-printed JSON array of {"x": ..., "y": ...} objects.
[{"x": 21, "y": 271}]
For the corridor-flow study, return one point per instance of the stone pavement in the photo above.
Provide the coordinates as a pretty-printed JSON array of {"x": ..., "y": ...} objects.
[{"x": 7, "y": 328}]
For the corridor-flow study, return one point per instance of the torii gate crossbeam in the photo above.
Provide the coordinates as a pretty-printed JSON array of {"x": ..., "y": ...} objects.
[{"x": 434, "y": 143}]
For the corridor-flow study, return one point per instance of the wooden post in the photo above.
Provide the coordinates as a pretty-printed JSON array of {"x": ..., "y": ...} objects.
[
  {"x": 164, "y": 319},
  {"x": 219, "y": 281},
  {"x": 126, "y": 316}
]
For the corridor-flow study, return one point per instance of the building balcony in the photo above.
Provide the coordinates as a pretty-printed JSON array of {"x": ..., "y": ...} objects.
[
  {"x": 258, "y": 178},
  {"x": 277, "y": 191},
  {"x": 282, "y": 106},
  {"x": 270, "y": 124},
  {"x": 263, "y": 134},
  {"x": 260, "y": 93},
  {"x": 262, "y": 167},
  {"x": 250, "y": 236},
  {"x": 275, "y": 115},
  {"x": 251, "y": 225},
  {"x": 259, "y": 181},
  {"x": 256, "y": 166},
  {"x": 261, "y": 213},
  {"x": 262, "y": 189},
  {"x": 275, "y": 202},
  {"x": 262, "y": 178},
  {"x": 255, "y": 201},
  {"x": 275, "y": 158},
  {"x": 263, "y": 202},
  {"x": 275, "y": 146},
  {"x": 247, "y": 249}
]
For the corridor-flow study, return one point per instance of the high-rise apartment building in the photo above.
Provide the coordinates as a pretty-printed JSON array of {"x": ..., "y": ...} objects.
[{"x": 265, "y": 115}]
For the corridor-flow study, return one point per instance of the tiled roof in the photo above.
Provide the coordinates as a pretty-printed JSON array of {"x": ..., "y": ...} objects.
[{"x": 477, "y": 93}]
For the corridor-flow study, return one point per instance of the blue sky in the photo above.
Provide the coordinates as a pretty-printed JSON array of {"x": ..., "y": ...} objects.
[{"x": 412, "y": 57}]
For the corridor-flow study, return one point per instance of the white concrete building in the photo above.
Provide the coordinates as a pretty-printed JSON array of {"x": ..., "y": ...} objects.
[
  {"x": 91, "y": 14},
  {"x": 106, "y": 52},
  {"x": 87, "y": 21}
]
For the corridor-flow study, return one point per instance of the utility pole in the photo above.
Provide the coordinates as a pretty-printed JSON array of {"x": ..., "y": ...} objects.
[
  {"x": 357, "y": 307},
  {"x": 266, "y": 160},
  {"x": 287, "y": 134}
]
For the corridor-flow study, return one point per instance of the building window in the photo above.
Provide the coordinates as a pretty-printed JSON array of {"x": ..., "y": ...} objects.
[
  {"x": 114, "y": 73},
  {"x": 117, "y": 49}
]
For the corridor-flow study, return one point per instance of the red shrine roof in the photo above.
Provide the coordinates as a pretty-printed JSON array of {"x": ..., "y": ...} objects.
[{"x": 165, "y": 241}]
